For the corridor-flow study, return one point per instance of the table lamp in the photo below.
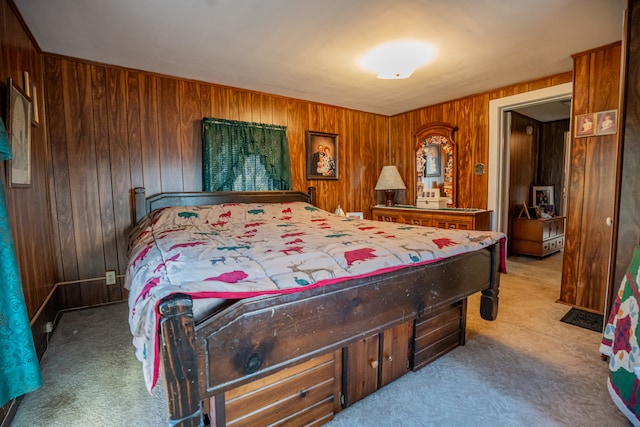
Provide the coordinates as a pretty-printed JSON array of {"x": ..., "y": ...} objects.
[{"x": 389, "y": 181}]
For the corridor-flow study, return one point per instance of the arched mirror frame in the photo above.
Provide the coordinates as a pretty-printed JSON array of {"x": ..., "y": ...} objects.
[{"x": 447, "y": 179}]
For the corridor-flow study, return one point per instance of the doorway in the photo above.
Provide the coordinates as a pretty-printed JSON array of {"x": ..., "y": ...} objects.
[{"x": 498, "y": 167}]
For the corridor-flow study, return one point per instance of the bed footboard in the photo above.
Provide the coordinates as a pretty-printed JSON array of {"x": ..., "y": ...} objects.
[{"x": 180, "y": 363}]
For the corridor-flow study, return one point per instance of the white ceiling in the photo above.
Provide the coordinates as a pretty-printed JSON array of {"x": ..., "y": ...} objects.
[{"x": 308, "y": 49}]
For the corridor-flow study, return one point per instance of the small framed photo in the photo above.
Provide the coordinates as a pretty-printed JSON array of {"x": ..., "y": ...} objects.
[
  {"x": 19, "y": 130},
  {"x": 322, "y": 155},
  {"x": 355, "y": 215},
  {"x": 542, "y": 196},
  {"x": 585, "y": 125},
  {"x": 432, "y": 166},
  {"x": 607, "y": 122}
]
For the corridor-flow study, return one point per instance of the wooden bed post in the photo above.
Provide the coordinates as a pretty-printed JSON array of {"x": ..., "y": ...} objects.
[
  {"x": 489, "y": 298},
  {"x": 312, "y": 195},
  {"x": 141, "y": 206},
  {"x": 179, "y": 361}
]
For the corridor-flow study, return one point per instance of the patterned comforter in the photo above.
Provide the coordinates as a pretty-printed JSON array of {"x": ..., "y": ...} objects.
[
  {"x": 620, "y": 341},
  {"x": 243, "y": 250}
]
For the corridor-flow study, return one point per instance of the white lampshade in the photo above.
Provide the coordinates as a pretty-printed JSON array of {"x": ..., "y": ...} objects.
[{"x": 390, "y": 179}]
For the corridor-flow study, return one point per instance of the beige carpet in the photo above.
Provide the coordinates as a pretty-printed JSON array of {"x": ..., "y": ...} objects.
[{"x": 525, "y": 369}]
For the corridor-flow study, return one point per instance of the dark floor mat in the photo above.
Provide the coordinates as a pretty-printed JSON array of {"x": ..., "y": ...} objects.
[{"x": 584, "y": 319}]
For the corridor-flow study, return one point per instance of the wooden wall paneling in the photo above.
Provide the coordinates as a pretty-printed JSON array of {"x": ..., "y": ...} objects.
[
  {"x": 465, "y": 139},
  {"x": 169, "y": 134},
  {"x": 600, "y": 180},
  {"x": 552, "y": 150},
  {"x": 297, "y": 122},
  {"x": 592, "y": 183},
  {"x": 347, "y": 189},
  {"x": 206, "y": 101},
  {"x": 378, "y": 157},
  {"x": 134, "y": 128},
  {"x": 120, "y": 165},
  {"x": 147, "y": 87},
  {"x": 241, "y": 105},
  {"x": 481, "y": 150},
  {"x": 104, "y": 176},
  {"x": 191, "y": 135},
  {"x": 367, "y": 146},
  {"x": 56, "y": 107},
  {"x": 575, "y": 190},
  {"x": 279, "y": 112},
  {"x": 220, "y": 98}
]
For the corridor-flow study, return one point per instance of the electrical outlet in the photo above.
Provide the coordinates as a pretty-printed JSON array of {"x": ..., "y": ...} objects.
[
  {"x": 48, "y": 327},
  {"x": 110, "y": 276}
]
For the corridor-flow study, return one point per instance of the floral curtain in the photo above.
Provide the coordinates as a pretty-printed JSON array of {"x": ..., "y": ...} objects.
[
  {"x": 19, "y": 367},
  {"x": 242, "y": 156}
]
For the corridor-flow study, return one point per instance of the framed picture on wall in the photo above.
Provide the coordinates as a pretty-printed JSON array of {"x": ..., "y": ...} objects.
[
  {"x": 606, "y": 122},
  {"x": 322, "y": 155},
  {"x": 433, "y": 159},
  {"x": 585, "y": 125},
  {"x": 19, "y": 114}
]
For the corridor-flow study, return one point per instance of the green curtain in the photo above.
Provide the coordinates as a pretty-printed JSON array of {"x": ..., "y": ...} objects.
[
  {"x": 19, "y": 367},
  {"x": 244, "y": 156}
]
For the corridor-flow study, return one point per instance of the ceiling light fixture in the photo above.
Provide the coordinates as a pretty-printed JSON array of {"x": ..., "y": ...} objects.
[{"x": 397, "y": 60}]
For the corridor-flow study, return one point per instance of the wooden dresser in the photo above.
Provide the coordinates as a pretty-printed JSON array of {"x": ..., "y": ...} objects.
[
  {"x": 537, "y": 237},
  {"x": 462, "y": 219}
]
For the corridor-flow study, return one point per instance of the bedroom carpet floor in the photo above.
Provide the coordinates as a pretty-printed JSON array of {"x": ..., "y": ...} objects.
[{"x": 524, "y": 369}]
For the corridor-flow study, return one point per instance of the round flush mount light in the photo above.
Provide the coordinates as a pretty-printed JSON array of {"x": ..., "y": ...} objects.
[{"x": 397, "y": 60}]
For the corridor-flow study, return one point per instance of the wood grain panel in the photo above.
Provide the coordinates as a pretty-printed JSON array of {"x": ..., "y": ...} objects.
[
  {"x": 147, "y": 86},
  {"x": 104, "y": 178},
  {"x": 62, "y": 196},
  {"x": 190, "y": 133},
  {"x": 83, "y": 180},
  {"x": 169, "y": 134},
  {"x": 119, "y": 155},
  {"x": 552, "y": 150},
  {"x": 592, "y": 184}
]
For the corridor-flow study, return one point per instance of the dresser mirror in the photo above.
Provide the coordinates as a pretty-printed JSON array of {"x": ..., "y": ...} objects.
[{"x": 436, "y": 166}]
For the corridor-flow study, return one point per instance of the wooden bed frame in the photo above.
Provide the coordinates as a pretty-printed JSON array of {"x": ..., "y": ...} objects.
[{"x": 254, "y": 346}]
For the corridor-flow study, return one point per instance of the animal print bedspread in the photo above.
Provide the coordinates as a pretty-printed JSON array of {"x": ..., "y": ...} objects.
[{"x": 243, "y": 250}]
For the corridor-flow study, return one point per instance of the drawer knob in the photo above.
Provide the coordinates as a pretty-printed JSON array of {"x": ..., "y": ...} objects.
[
  {"x": 374, "y": 364},
  {"x": 609, "y": 221},
  {"x": 389, "y": 358}
]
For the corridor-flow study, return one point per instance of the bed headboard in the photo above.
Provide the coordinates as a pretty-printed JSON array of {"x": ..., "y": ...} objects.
[{"x": 144, "y": 205}]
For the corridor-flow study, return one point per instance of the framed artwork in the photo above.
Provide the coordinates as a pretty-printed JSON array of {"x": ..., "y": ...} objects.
[
  {"x": 542, "y": 196},
  {"x": 322, "y": 155},
  {"x": 433, "y": 163},
  {"x": 19, "y": 114},
  {"x": 607, "y": 122},
  {"x": 585, "y": 125},
  {"x": 31, "y": 91}
]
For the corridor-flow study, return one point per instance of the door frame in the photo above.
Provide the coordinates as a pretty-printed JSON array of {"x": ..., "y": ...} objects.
[{"x": 498, "y": 167}]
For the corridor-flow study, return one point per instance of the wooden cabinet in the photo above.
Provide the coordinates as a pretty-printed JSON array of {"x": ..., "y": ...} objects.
[
  {"x": 376, "y": 361},
  {"x": 312, "y": 392},
  {"x": 438, "y": 332},
  {"x": 308, "y": 392},
  {"x": 441, "y": 218},
  {"x": 537, "y": 237}
]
